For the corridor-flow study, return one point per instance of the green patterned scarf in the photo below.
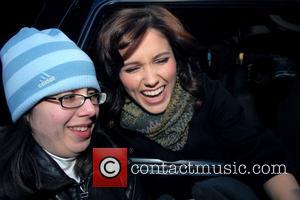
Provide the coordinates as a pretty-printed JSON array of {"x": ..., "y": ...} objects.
[{"x": 169, "y": 129}]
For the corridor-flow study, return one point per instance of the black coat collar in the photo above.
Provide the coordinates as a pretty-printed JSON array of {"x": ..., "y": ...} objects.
[{"x": 48, "y": 174}]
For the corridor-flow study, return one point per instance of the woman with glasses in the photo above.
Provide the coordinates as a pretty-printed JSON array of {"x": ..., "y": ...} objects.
[
  {"x": 53, "y": 97},
  {"x": 162, "y": 106}
]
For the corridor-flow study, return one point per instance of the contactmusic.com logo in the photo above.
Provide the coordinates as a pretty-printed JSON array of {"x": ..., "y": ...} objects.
[{"x": 110, "y": 167}]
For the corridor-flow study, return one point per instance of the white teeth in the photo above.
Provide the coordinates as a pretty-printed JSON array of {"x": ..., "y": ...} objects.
[
  {"x": 82, "y": 128},
  {"x": 154, "y": 92}
]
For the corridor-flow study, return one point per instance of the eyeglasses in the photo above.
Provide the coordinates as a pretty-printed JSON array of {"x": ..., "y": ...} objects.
[{"x": 77, "y": 100}]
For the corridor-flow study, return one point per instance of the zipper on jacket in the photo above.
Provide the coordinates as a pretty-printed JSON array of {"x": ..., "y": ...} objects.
[{"x": 83, "y": 186}]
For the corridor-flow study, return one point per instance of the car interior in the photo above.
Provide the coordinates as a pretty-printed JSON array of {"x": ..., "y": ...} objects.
[{"x": 252, "y": 48}]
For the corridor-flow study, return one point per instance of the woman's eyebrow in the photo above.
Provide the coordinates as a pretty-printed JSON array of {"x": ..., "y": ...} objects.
[
  {"x": 131, "y": 63},
  {"x": 162, "y": 54}
]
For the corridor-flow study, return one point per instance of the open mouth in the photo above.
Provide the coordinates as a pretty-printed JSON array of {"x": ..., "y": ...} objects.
[
  {"x": 82, "y": 131},
  {"x": 79, "y": 128},
  {"x": 153, "y": 93}
]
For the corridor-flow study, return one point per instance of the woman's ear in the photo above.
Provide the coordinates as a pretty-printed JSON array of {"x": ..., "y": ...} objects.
[{"x": 27, "y": 117}]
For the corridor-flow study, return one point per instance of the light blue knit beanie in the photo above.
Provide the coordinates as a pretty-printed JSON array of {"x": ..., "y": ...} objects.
[{"x": 37, "y": 64}]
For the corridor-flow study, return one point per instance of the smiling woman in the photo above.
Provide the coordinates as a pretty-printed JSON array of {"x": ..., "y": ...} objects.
[
  {"x": 53, "y": 97},
  {"x": 149, "y": 74},
  {"x": 162, "y": 106}
]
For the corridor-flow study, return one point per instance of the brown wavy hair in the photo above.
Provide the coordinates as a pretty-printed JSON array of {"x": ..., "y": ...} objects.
[{"x": 125, "y": 28}]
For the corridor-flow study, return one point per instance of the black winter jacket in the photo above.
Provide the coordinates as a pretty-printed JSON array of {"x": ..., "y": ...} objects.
[
  {"x": 53, "y": 184},
  {"x": 218, "y": 131}
]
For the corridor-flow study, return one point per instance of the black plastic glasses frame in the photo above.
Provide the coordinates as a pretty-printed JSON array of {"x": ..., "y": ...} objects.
[{"x": 62, "y": 99}]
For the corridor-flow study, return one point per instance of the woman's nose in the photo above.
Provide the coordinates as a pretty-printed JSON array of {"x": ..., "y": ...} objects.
[
  {"x": 88, "y": 109},
  {"x": 150, "y": 77}
]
